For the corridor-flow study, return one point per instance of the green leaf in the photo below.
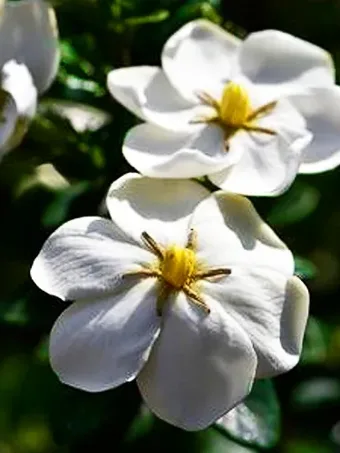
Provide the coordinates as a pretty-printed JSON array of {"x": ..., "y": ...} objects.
[
  {"x": 14, "y": 313},
  {"x": 316, "y": 392},
  {"x": 32, "y": 308},
  {"x": 147, "y": 430},
  {"x": 256, "y": 421},
  {"x": 212, "y": 441},
  {"x": 142, "y": 425},
  {"x": 309, "y": 446},
  {"x": 57, "y": 211},
  {"x": 304, "y": 268},
  {"x": 295, "y": 205},
  {"x": 209, "y": 11},
  {"x": 198, "y": 8},
  {"x": 316, "y": 341},
  {"x": 76, "y": 83},
  {"x": 72, "y": 60},
  {"x": 157, "y": 16}
]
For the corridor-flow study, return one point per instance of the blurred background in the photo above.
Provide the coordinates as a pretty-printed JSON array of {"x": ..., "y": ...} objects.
[{"x": 63, "y": 169}]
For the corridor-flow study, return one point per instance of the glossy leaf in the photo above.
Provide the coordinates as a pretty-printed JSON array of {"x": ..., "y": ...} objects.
[
  {"x": 256, "y": 421},
  {"x": 295, "y": 205}
]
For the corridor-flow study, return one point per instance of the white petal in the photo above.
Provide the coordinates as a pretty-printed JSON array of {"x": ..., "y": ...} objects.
[
  {"x": 99, "y": 344},
  {"x": 159, "y": 153},
  {"x": 147, "y": 93},
  {"x": 162, "y": 208},
  {"x": 86, "y": 257},
  {"x": 8, "y": 120},
  {"x": 269, "y": 163},
  {"x": 28, "y": 34},
  {"x": 17, "y": 80},
  {"x": 260, "y": 293},
  {"x": 231, "y": 233},
  {"x": 199, "y": 57},
  {"x": 321, "y": 109},
  {"x": 283, "y": 62},
  {"x": 270, "y": 308},
  {"x": 200, "y": 367}
]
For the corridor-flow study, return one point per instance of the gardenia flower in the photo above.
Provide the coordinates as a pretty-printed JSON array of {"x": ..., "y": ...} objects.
[
  {"x": 190, "y": 293},
  {"x": 29, "y": 58},
  {"x": 237, "y": 111}
]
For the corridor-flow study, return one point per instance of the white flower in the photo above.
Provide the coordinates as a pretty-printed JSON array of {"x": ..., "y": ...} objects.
[
  {"x": 190, "y": 293},
  {"x": 29, "y": 58},
  {"x": 236, "y": 110}
]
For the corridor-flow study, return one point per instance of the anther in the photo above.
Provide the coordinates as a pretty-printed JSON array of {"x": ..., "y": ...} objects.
[
  {"x": 152, "y": 245},
  {"x": 198, "y": 300},
  {"x": 218, "y": 272},
  {"x": 192, "y": 240},
  {"x": 143, "y": 273},
  {"x": 267, "y": 108}
]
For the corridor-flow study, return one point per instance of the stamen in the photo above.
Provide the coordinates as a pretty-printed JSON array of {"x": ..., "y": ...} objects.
[
  {"x": 178, "y": 266},
  {"x": 218, "y": 272},
  {"x": 192, "y": 240},
  {"x": 267, "y": 108},
  {"x": 263, "y": 130},
  {"x": 226, "y": 145},
  {"x": 233, "y": 112},
  {"x": 177, "y": 270},
  {"x": 201, "y": 119},
  {"x": 144, "y": 273},
  {"x": 198, "y": 300},
  {"x": 235, "y": 105},
  {"x": 152, "y": 244},
  {"x": 206, "y": 99},
  {"x": 164, "y": 293}
]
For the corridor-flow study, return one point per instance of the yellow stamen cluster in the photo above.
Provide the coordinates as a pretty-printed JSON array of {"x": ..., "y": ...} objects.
[
  {"x": 234, "y": 112},
  {"x": 234, "y": 108},
  {"x": 178, "y": 266},
  {"x": 177, "y": 269}
]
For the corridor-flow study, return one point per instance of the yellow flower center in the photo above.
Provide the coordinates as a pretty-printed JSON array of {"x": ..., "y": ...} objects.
[
  {"x": 178, "y": 266},
  {"x": 233, "y": 112},
  {"x": 177, "y": 269},
  {"x": 235, "y": 106}
]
